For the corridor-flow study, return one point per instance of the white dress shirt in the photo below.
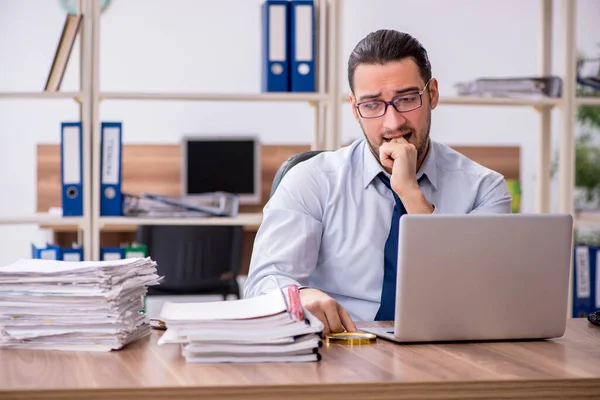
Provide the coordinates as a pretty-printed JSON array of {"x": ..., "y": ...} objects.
[{"x": 327, "y": 223}]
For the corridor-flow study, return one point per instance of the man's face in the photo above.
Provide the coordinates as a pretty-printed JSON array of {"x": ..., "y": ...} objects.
[{"x": 385, "y": 82}]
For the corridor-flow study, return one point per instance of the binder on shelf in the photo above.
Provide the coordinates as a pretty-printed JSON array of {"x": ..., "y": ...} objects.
[
  {"x": 585, "y": 280},
  {"x": 514, "y": 187},
  {"x": 135, "y": 250},
  {"x": 594, "y": 279},
  {"x": 74, "y": 253},
  {"x": 275, "y": 42},
  {"x": 302, "y": 46},
  {"x": 111, "y": 253},
  {"x": 49, "y": 252},
  {"x": 71, "y": 168},
  {"x": 111, "y": 173}
]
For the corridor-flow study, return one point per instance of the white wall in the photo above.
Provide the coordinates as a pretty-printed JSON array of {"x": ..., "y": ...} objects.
[{"x": 200, "y": 45}]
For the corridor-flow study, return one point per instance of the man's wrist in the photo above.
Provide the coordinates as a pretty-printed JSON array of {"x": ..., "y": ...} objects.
[{"x": 415, "y": 202}]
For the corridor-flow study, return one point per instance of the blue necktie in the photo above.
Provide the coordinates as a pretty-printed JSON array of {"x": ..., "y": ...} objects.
[{"x": 388, "y": 292}]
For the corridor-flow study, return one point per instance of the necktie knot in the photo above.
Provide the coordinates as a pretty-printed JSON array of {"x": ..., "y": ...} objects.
[
  {"x": 386, "y": 181},
  {"x": 383, "y": 178}
]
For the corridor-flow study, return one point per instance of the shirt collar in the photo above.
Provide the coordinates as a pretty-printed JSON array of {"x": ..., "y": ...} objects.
[
  {"x": 372, "y": 167},
  {"x": 428, "y": 168}
]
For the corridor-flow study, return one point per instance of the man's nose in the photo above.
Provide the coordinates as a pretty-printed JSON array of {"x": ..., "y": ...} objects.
[{"x": 392, "y": 119}]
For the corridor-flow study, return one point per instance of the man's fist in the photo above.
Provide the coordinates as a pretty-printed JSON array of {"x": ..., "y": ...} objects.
[{"x": 400, "y": 156}]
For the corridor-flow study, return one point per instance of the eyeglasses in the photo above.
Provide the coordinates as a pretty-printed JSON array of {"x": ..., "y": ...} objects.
[{"x": 403, "y": 103}]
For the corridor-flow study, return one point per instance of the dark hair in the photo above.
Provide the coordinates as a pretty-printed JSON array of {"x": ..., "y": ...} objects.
[{"x": 384, "y": 46}]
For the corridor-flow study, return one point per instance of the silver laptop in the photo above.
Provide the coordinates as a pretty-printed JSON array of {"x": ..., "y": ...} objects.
[{"x": 481, "y": 277}]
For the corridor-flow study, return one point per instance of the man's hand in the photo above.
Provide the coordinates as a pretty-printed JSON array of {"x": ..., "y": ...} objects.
[
  {"x": 330, "y": 312},
  {"x": 400, "y": 156}
]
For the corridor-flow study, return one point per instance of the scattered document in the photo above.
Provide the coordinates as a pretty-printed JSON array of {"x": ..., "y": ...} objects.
[
  {"x": 66, "y": 305},
  {"x": 269, "y": 328}
]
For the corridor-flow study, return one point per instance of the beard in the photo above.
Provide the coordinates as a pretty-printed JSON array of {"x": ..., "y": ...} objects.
[{"x": 419, "y": 139}]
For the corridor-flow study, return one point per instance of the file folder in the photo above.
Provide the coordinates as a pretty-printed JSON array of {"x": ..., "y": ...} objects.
[
  {"x": 111, "y": 169},
  {"x": 584, "y": 280},
  {"x": 50, "y": 252},
  {"x": 135, "y": 250},
  {"x": 71, "y": 169},
  {"x": 111, "y": 253},
  {"x": 302, "y": 46},
  {"x": 74, "y": 253},
  {"x": 275, "y": 39},
  {"x": 595, "y": 279}
]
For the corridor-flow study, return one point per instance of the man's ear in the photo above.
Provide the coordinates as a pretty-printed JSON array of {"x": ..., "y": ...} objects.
[
  {"x": 434, "y": 93},
  {"x": 353, "y": 106}
]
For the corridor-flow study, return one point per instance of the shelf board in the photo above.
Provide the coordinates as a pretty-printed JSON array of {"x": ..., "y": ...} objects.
[
  {"x": 498, "y": 101},
  {"x": 272, "y": 97},
  {"x": 39, "y": 95},
  {"x": 587, "y": 218},
  {"x": 41, "y": 219},
  {"x": 588, "y": 101},
  {"x": 251, "y": 219},
  {"x": 494, "y": 101}
]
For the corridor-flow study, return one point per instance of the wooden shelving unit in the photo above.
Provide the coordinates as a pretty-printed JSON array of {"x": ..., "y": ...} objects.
[
  {"x": 327, "y": 102},
  {"x": 83, "y": 98}
]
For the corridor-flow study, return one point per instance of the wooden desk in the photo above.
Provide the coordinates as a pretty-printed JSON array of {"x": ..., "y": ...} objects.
[{"x": 564, "y": 368}]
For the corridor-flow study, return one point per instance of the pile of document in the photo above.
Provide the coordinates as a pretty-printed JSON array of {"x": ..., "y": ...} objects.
[
  {"x": 214, "y": 204},
  {"x": 66, "y": 305},
  {"x": 524, "y": 87},
  {"x": 588, "y": 76},
  {"x": 267, "y": 328}
]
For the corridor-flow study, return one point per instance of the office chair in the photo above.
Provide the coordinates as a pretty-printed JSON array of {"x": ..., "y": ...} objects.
[
  {"x": 194, "y": 259},
  {"x": 289, "y": 163}
]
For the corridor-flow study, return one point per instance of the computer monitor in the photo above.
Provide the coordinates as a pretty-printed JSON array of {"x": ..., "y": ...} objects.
[{"x": 221, "y": 163}]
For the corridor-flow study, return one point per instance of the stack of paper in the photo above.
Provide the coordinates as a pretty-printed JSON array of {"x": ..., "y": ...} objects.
[
  {"x": 66, "y": 305},
  {"x": 525, "y": 87},
  {"x": 258, "y": 329}
]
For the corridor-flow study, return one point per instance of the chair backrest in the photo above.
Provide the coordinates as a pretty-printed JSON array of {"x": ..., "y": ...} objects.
[
  {"x": 194, "y": 259},
  {"x": 289, "y": 163}
]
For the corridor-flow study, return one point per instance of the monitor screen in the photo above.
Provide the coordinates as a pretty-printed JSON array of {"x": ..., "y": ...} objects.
[{"x": 222, "y": 164}]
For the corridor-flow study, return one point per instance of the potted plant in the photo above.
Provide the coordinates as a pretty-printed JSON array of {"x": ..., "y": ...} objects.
[{"x": 587, "y": 155}]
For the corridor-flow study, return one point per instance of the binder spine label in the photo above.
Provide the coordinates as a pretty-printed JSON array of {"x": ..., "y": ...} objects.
[
  {"x": 303, "y": 33},
  {"x": 72, "y": 156},
  {"x": 110, "y": 162},
  {"x": 71, "y": 257},
  {"x": 597, "y": 280},
  {"x": 278, "y": 36},
  {"x": 49, "y": 254},
  {"x": 582, "y": 269}
]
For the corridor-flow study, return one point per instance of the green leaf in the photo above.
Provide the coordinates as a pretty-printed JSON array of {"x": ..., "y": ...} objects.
[{"x": 589, "y": 116}]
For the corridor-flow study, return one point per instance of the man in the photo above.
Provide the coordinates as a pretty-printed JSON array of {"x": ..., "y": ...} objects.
[{"x": 331, "y": 226}]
